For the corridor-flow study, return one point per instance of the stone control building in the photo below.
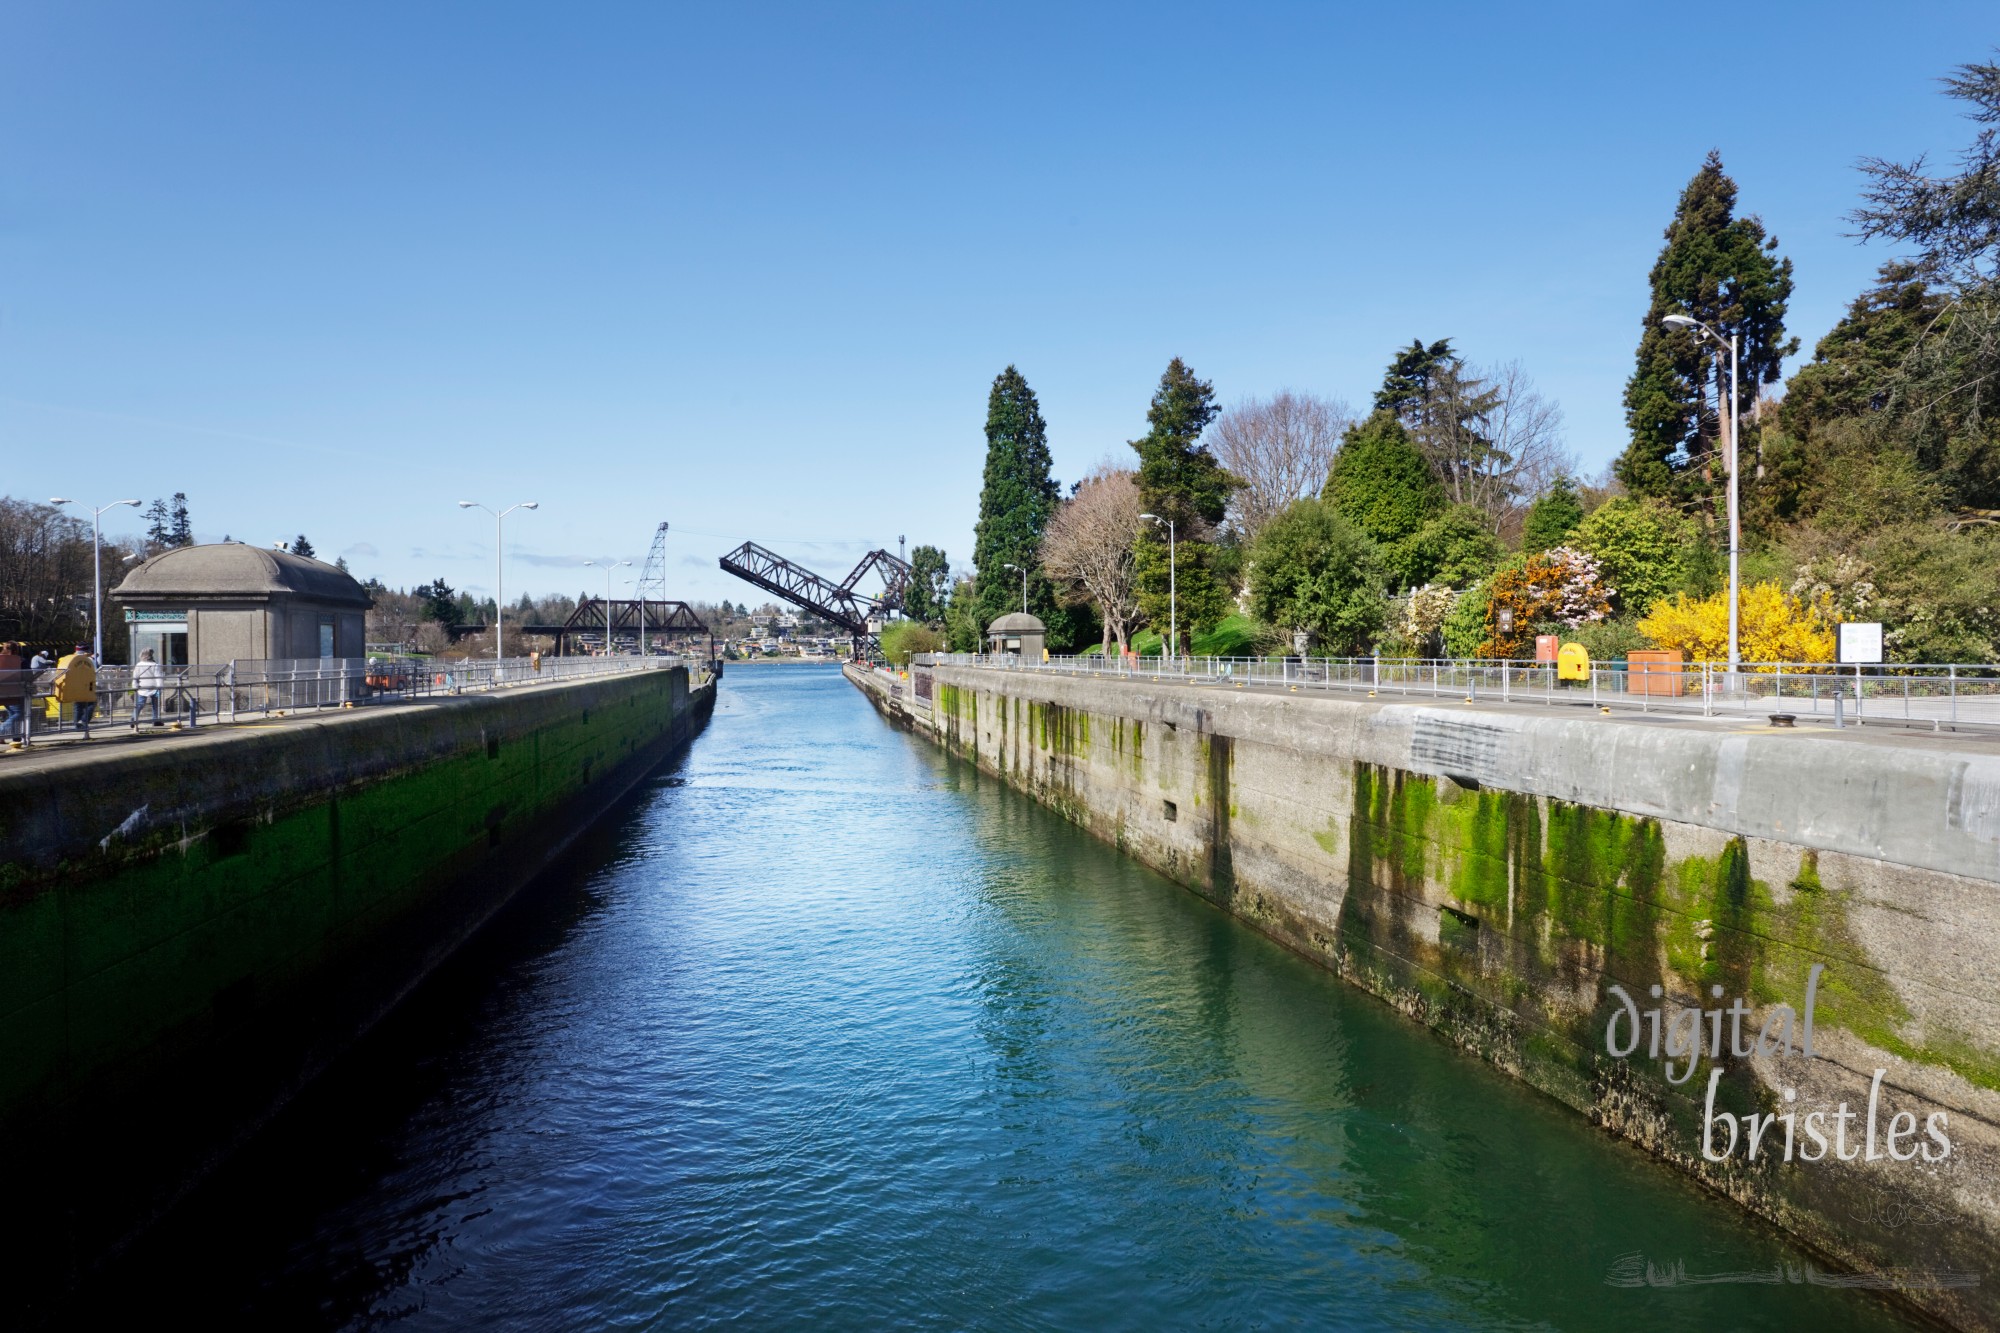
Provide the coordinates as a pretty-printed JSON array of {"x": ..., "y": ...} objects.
[
  {"x": 231, "y": 602},
  {"x": 1018, "y": 634}
]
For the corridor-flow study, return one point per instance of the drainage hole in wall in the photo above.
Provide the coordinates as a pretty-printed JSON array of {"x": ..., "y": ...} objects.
[
  {"x": 1170, "y": 810},
  {"x": 1456, "y": 929},
  {"x": 492, "y": 747},
  {"x": 231, "y": 839}
]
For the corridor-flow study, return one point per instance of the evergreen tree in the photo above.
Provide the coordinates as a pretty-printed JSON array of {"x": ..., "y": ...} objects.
[
  {"x": 930, "y": 586},
  {"x": 1552, "y": 517},
  {"x": 1410, "y": 378},
  {"x": 1181, "y": 482},
  {"x": 1456, "y": 549},
  {"x": 441, "y": 602},
  {"x": 1724, "y": 271},
  {"x": 1380, "y": 482},
  {"x": 179, "y": 531},
  {"x": 159, "y": 524},
  {"x": 300, "y": 546},
  {"x": 1016, "y": 500},
  {"x": 1312, "y": 570},
  {"x": 1954, "y": 221},
  {"x": 1856, "y": 364}
]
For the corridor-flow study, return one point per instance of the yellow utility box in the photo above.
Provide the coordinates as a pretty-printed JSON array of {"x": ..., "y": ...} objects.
[{"x": 1573, "y": 662}]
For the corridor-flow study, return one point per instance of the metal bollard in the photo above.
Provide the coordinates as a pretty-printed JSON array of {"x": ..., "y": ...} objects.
[{"x": 1839, "y": 712}]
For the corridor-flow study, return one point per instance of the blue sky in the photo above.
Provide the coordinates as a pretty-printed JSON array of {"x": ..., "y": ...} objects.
[{"x": 751, "y": 269}]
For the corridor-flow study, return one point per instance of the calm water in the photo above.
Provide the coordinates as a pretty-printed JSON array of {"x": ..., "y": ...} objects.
[{"x": 825, "y": 1030}]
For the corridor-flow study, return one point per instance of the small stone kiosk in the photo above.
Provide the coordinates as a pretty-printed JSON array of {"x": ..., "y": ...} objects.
[
  {"x": 1017, "y": 634},
  {"x": 236, "y": 603}
]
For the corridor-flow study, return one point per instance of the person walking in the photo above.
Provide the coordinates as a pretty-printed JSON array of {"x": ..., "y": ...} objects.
[
  {"x": 76, "y": 684},
  {"x": 14, "y": 680},
  {"x": 148, "y": 676}
]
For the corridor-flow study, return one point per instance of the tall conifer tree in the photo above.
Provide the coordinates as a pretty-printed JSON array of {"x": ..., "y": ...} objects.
[
  {"x": 1179, "y": 479},
  {"x": 1724, "y": 271},
  {"x": 1016, "y": 500}
]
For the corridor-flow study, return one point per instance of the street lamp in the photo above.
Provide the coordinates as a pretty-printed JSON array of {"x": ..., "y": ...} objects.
[
  {"x": 499, "y": 596},
  {"x": 97, "y": 573},
  {"x": 1735, "y": 522},
  {"x": 607, "y": 566},
  {"x": 1024, "y": 586},
  {"x": 1173, "y": 589}
]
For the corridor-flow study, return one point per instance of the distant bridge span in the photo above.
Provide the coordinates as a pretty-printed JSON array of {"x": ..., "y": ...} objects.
[{"x": 837, "y": 603}]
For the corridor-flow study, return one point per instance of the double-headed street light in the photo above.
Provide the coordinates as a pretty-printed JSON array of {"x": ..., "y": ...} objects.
[
  {"x": 1735, "y": 522},
  {"x": 499, "y": 596},
  {"x": 607, "y": 566},
  {"x": 1173, "y": 589},
  {"x": 97, "y": 573},
  {"x": 1024, "y": 586}
]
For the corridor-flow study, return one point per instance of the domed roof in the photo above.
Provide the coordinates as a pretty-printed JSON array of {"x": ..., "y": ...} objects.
[
  {"x": 1017, "y": 622},
  {"x": 233, "y": 569}
]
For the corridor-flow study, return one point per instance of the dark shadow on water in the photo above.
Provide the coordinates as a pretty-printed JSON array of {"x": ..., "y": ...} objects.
[{"x": 233, "y": 1251}]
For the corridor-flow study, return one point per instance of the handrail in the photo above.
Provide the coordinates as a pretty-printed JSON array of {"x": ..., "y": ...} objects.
[
  {"x": 187, "y": 696},
  {"x": 1937, "y": 695}
]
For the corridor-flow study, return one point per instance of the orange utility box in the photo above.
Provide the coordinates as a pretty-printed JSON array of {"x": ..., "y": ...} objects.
[{"x": 1655, "y": 672}]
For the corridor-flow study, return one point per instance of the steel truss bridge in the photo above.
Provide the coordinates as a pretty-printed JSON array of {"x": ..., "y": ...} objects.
[
  {"x": 629, "y": 617},
  {"x": 836, "y": 603}
]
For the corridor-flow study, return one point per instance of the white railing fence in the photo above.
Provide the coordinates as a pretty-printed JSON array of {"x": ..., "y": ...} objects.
[
  {"x": 194, "y": 695},
  {"x": 1935, "y": 695}
]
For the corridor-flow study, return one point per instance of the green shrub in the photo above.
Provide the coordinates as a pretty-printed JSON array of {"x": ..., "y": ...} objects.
[{"x": 901, "y": 638}]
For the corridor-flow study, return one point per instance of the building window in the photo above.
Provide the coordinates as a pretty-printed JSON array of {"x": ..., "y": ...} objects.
[{"x": 326, "y": 636}]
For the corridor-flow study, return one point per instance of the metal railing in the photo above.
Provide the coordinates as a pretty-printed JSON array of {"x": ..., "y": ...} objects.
[
  {"x": 187, "y": 696},
  {"x": 1932, "y": 695}
]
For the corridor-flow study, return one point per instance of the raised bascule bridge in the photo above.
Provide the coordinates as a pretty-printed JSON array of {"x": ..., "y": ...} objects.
[{"x": 842, "y": 604}]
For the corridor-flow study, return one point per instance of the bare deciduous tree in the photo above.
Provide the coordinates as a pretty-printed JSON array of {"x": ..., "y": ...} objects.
[
  {"x": 1088, "y": 548},
  {"x": 1281, "y": 448},
  {"x": 45, "y": 573}
]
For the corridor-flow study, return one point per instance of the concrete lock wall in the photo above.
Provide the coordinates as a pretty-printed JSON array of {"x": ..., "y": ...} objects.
[
  {"x": 189, "y": 930},
  {"x": 1493, "y": 874}
]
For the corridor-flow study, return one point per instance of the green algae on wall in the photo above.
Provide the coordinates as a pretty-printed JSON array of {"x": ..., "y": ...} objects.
[
  {"x": 152, "y": 944},
  {"x": 1574, "y": 889}
]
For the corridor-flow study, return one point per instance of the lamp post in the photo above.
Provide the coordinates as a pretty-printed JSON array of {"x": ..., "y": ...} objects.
[
  {"x": 1173, "y": 589},
  {"x": 97, "y": 573},
  {"x": 1024, "y": 586},
  {"x": 607, "y": 566},
  {"x": 499, "y": 596},
  {"x": 1735, "y": 523}
]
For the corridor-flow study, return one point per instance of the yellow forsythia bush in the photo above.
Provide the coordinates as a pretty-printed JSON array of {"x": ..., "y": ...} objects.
[{"x": 1775, "y": 627}]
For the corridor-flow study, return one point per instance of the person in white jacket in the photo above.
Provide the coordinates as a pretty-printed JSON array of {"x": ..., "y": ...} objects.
[{"x": 148, "y": 676}]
